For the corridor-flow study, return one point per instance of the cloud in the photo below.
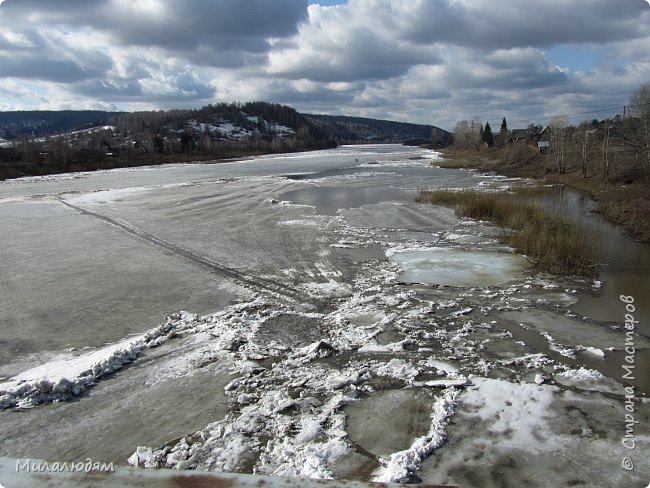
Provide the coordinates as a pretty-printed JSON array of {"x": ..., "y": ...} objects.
[
  {"x": 377, "y": 39},
  {"x": 142, "y": 50},
  {"x": 340, "y": 44},
  {"x": 242, "y": 26},
  {"x": 43, "y": 68},
  {"x": 479, "y": 24},
  {"x": 432, "y": 61},
  {"x": 443, "y": 60}
]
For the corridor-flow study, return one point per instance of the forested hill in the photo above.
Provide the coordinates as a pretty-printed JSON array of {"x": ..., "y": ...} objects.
[
  {"x": 37, "y": 142},
  {"x": 252, "y": 118},
  {"x": 42, "y": 142},
  {"x": 38, "y": 123},
  {"x": 248, "y": 117},
  {"x": 356, "y": 130}
]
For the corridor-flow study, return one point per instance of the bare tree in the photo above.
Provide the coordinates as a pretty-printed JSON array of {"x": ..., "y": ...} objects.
[
  {"x": 584, "y": 138},
  {"x": 461, "y": 134},
  {"x": 558, "y": 127},
  {"x": 637, "y": 133},
  {"x": 606, "y": 153},
  {"x": 467, "y": 134}
]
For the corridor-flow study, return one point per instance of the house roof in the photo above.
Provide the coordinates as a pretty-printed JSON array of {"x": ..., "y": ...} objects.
[{"x": 520, "y": 133}]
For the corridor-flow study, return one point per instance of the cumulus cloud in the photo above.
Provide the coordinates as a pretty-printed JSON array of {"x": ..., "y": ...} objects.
[
  {"x": 484, "y": 24},
  {"x": 242, "y": 25},
  {"x": 344, "y": 44},
  {"x": 441, "y": 60},
  {"x": 139, "y": 50},
  {"x": 433, "y": 61}
]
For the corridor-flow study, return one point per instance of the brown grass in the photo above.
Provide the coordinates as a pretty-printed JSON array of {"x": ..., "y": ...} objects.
[
  {"x": 624, "y": 200},
  {"x": 557, "y": 245}
]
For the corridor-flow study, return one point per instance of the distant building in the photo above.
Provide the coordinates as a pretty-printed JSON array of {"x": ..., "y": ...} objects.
[
  {"x": 520, "y": 135},
  {"x": 544, "y": 140}
]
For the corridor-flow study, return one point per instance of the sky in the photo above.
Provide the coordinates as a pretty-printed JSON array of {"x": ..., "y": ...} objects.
[{"x": 424, "y": 61}]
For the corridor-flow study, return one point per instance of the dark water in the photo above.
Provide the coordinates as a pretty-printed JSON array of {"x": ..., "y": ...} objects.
[
  {"x": 328, "y": 200},
  {"x": 625, "y": 266}
]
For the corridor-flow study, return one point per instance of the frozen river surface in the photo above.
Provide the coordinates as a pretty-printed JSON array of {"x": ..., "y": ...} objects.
[{"x": 300, "y": 315}]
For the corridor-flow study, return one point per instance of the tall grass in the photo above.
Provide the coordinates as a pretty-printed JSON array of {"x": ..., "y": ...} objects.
[{"x": 557, "y": 245}]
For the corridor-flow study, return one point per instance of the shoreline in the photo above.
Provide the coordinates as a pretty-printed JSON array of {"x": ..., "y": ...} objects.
[
  {"x": 624, "y": 203},
  {"x": 16, "y": 170}
]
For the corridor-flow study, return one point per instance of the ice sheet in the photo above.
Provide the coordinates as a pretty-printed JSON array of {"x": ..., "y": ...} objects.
[{"x": 457, "y": 267}]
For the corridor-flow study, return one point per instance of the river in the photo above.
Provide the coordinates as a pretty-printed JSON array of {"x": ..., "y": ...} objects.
[{"x": 321, "y": 303}]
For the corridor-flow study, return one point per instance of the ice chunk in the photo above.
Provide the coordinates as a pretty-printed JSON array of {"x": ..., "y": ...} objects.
[
  {"x": 60, "y": 379},
  {"x": 396, "y": 368},
  {"x": 447, "y": 383},
  {"x": 456, "y": 267},
  {"x": 514, "y": 411},
  {"x": 140, "y": 457},
  {"x": 401, "y": 466},
  {"x": 583, "y": 374}
]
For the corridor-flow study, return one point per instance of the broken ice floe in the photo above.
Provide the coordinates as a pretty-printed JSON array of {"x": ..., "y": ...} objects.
[
  {"x": 456, "y": 267},
  {"x": 589, "y": 379},
  {"x": 401, "y": 466},
  {"x": 388, "y": 163},
  {"x": 63, "y": 378},
  {"x": 289, "y": 417}
]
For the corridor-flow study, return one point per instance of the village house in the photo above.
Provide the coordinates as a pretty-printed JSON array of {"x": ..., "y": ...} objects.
[{"x": 544, "y": 140}]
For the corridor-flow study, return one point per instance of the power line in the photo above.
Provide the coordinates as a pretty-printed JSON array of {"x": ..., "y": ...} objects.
[{"x": 576, "y": 114}]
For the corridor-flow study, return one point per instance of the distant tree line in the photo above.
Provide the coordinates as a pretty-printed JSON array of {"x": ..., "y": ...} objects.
[
  {"x": 591, "y": 145},
  {"x": 360, "y": 130}
]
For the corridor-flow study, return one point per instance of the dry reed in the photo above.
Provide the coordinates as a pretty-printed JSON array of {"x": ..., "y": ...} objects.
[{"x": 556, "y": 244}]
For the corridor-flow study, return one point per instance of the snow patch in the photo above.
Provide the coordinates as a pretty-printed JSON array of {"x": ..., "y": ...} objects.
[
  {"x": 101, "y": 197},
  {"x": 514, "y": 412}
]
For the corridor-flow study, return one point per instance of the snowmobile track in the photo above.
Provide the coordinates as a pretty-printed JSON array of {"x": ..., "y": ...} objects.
[{"x": 248, "y": 280}]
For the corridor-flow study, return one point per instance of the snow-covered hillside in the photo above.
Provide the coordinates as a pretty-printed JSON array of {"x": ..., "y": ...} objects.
[
  {"x": 246, "y": 126},
  {"x": 5, "y": 143}
]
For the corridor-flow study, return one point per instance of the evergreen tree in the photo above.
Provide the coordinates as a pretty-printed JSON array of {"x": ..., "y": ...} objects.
[
  {"x": 504, "y": 127},
  {"x": 488, "y": 137},
  {"x": 502, "y": 138}
]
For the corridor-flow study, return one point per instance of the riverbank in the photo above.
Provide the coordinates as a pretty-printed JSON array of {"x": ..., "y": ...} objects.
[
  {"x": 624, "y": 201},
  {"x": 10, "y": 169}
]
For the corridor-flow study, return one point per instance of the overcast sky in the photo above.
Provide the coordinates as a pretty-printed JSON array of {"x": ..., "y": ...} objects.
[{"x": 427, "y": 61}]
